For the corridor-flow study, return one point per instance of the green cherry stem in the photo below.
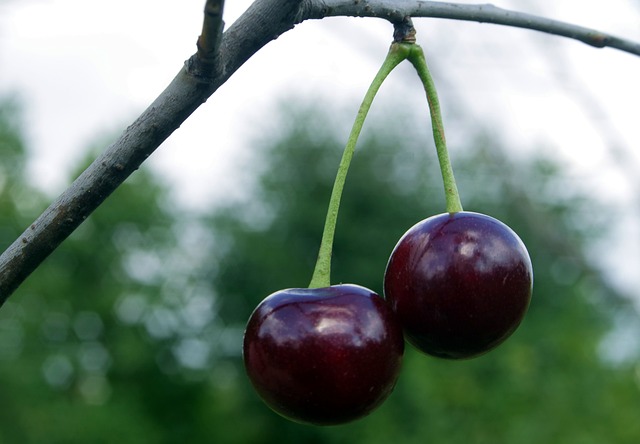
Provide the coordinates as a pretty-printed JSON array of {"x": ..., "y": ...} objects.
[
  {"x": 322, "y": 272},
  {"x": 417, "y": 59}
]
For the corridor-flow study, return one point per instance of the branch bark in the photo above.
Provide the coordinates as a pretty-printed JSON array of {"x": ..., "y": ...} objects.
[
  {"x": 217, "y": 58},
  {"x": 396, "y": 10}
]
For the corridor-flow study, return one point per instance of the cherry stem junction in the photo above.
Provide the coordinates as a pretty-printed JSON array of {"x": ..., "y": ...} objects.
[
  {"x": 417, "y": 59},
  {"x": 322, "y": 272}
]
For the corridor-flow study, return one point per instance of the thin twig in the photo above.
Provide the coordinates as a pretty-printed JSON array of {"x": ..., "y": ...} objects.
[
  {"x": 396, "y": 10},
  {"x": 203, "y": 64},
  {"x": 216, "y": 60}
]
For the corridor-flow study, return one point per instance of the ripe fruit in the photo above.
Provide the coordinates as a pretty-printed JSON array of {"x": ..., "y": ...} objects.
[
  {"x": 460, "y": 284},
  {"x": 327, "y": 354},
  {"x": 323, "y": 355}
]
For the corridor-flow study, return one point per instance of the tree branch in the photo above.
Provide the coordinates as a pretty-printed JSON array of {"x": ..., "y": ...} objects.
[
  {"x": 218, "y": 57},
  {"x": 209, "y": 41},
  {"x": 396, "y": 10}
]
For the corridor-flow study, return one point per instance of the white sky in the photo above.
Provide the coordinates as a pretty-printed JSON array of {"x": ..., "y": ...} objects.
[{"x": 85, "y": 69}]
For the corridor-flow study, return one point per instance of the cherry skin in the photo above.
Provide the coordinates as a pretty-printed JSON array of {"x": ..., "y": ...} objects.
[
  {"x": 323, "y": 356},
  {"x": 459, "y": 283}
]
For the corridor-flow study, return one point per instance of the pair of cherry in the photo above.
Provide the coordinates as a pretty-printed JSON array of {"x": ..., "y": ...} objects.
[{"x": 456, "y": 286}]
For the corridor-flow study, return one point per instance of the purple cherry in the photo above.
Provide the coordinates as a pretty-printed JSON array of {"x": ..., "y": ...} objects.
[
  {"x": 323, "y": 355},
  {"x": 460, "y": 284}
]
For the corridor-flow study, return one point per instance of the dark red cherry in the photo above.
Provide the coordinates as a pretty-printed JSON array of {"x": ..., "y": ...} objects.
[
  {"x": 324, "y": 355},
  {"x": 459, "y": 283}
]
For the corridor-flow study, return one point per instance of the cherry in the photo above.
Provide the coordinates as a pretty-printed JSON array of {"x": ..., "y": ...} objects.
[
  {"x": 323, "y": 356},
  {"x": 460, "y": 284},
  {"x": 327, "y": 354}
]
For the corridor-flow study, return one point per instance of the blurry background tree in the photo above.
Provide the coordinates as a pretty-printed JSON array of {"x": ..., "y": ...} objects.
[{"x": 131, "y": 332}]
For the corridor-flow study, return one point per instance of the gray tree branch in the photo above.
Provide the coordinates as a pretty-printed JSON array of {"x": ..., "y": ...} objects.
[
  {"x": 396, "y": 10},
  {"x": 218, "y": 56}
]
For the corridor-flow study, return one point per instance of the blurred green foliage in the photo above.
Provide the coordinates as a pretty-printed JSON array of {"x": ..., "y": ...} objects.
[{"x": 131, "y": 331}]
